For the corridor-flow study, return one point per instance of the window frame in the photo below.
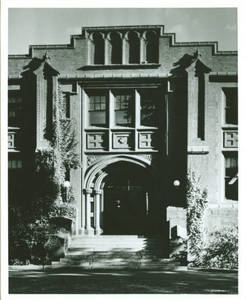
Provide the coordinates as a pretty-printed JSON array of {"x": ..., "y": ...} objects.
[
  {"x": 131, "y": 107},
  {"x": 232, "y": 177},
  {"x": 98, "y": 93},
  {"x": 227, "y": 109}
]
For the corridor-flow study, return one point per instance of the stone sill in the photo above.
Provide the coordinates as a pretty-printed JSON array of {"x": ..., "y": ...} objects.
[
  {"x": 119, "y": 129},
  {"x": 13, "y": 150},
  {"x": 198, "y": 150},
  {"x": 120, "y": 151},
  {"x": 229, "y": 126},
  {"x": 121, "y": 66}
]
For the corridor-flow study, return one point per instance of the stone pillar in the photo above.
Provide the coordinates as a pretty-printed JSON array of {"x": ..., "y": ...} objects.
[
  {"x": 125, "y": 50},
  {"x": 97, "y": 212},
  {"x": 106, "y": 49},
  {"x": 88, "y": 229},
  {"x": 142, "y": 50},
  {"x": 82, "y": 231}
]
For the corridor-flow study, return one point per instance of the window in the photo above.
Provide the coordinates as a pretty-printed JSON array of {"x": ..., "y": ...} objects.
[
  {"x": 98, "y": 109},
  {"x": 134, "y": 48},
  {"x": 231, "y": 106},
  {"x": 14, "y": 108},
  {"x": 116, "y": 49},
  {"x": 152, "y": 47},
  {"x": 98, "y": 49},
  {"x": 148, "y": 108},
  {"x": 231, "y": 175},
  {"x": 15, "y": 164},
  {"x": 124, "y": 109}
]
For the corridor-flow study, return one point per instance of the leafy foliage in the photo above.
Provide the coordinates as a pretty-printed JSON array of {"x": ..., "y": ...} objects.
[
  {"x": 222, "y": 249},
  {"x": 196, "y": 204},
  {"x": 31, "y": 228}
]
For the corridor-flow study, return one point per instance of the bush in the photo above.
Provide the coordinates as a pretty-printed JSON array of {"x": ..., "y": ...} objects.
[
  {"x": 222, "y": 249},
  {"x": 196, "y": 205}
]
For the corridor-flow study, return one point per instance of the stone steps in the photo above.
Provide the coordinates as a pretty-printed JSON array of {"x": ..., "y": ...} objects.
[{"x": 117, "y": 251}]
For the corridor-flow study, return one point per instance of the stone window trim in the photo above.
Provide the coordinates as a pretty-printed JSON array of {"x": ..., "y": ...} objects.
[
  {"x": 145, "y": 43},
  {"x": 121, "y": 137}
]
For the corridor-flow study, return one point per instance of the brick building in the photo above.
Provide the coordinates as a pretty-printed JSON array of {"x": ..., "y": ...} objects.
[{"x": 146, "y": 109}]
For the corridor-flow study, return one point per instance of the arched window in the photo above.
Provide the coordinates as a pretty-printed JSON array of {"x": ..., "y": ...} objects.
[
  {"x": 116, "y": 50},
  {"x": 99, "y": 49},
  {"x": 134, "y": 48},
  {"x": 152, "y": 47}
]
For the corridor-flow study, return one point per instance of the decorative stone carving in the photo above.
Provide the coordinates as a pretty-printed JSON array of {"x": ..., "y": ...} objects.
[
  {"x": 145, "y": 140},
  {"x": 11, "y": 140},
  {"x": 122, "y": 140},
  {"x": 91, "y": 159},
  {"x": 95, "y": 140},
  {"x": 230, "y": 139},
  {"x": 148, "y": 157}
]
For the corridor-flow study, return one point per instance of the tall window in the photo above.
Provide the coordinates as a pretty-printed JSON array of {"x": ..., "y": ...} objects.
[
  {"x": 152, "y": 47},
  {"x": 231, "y": 106},
  {"x": 98, "y": 49},
  {"x": 134, "y": 48},
  {"x": 231, "y": 176},
  {"x": 148, "y": 108},
  {"x": 14, "y": 108},
  {"x": 116, "y": 51},
  {"x": 98, "y": 109},
  {"x": 124, "y": 109}
]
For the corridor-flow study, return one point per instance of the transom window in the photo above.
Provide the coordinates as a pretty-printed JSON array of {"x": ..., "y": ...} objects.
[
  {"x": 231, "y": 175},
  {"x": 231, "y": 106}
]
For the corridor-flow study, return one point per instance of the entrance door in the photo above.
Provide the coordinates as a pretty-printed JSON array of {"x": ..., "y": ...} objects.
[{"x": 126, "y": 199}]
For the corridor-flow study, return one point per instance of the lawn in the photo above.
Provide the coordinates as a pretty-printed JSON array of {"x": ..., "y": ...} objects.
[{"x": 77, "y": 281}]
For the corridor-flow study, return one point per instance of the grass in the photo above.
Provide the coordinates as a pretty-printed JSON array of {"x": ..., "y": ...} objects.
[{"x": 77, "y": 281}]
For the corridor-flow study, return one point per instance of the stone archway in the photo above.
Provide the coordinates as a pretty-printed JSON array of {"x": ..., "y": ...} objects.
[{"x": 95, "y": 181}]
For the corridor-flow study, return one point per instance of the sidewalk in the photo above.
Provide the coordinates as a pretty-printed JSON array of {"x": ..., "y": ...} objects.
[{"x": 77, "y": 281}]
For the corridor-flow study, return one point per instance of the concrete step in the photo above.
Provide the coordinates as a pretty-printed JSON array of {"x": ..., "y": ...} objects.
[
  {"x": 128, "y": 251},
  {"x": 118, "y": 264}
]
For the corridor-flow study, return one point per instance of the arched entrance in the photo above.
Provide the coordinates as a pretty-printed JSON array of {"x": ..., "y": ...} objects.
[
  {"x": 119, "y": 197},
  {"x": 127, "y": 195}
]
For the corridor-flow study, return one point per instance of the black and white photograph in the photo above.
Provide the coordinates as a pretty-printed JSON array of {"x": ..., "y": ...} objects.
[{"x": 122, "y": 173}]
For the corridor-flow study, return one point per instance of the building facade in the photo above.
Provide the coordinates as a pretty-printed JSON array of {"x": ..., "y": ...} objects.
[{"x": 147, "y": 110}]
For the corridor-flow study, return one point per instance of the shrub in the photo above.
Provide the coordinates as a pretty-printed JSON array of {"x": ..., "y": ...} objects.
[
  {"x": 222, "y": 249},
  {"x": 30, "y": 228},
  {"x": 196, "y": 204}
]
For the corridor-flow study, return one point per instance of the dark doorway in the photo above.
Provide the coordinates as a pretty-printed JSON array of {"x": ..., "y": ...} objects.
[{"x": 127, "y": 196}]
